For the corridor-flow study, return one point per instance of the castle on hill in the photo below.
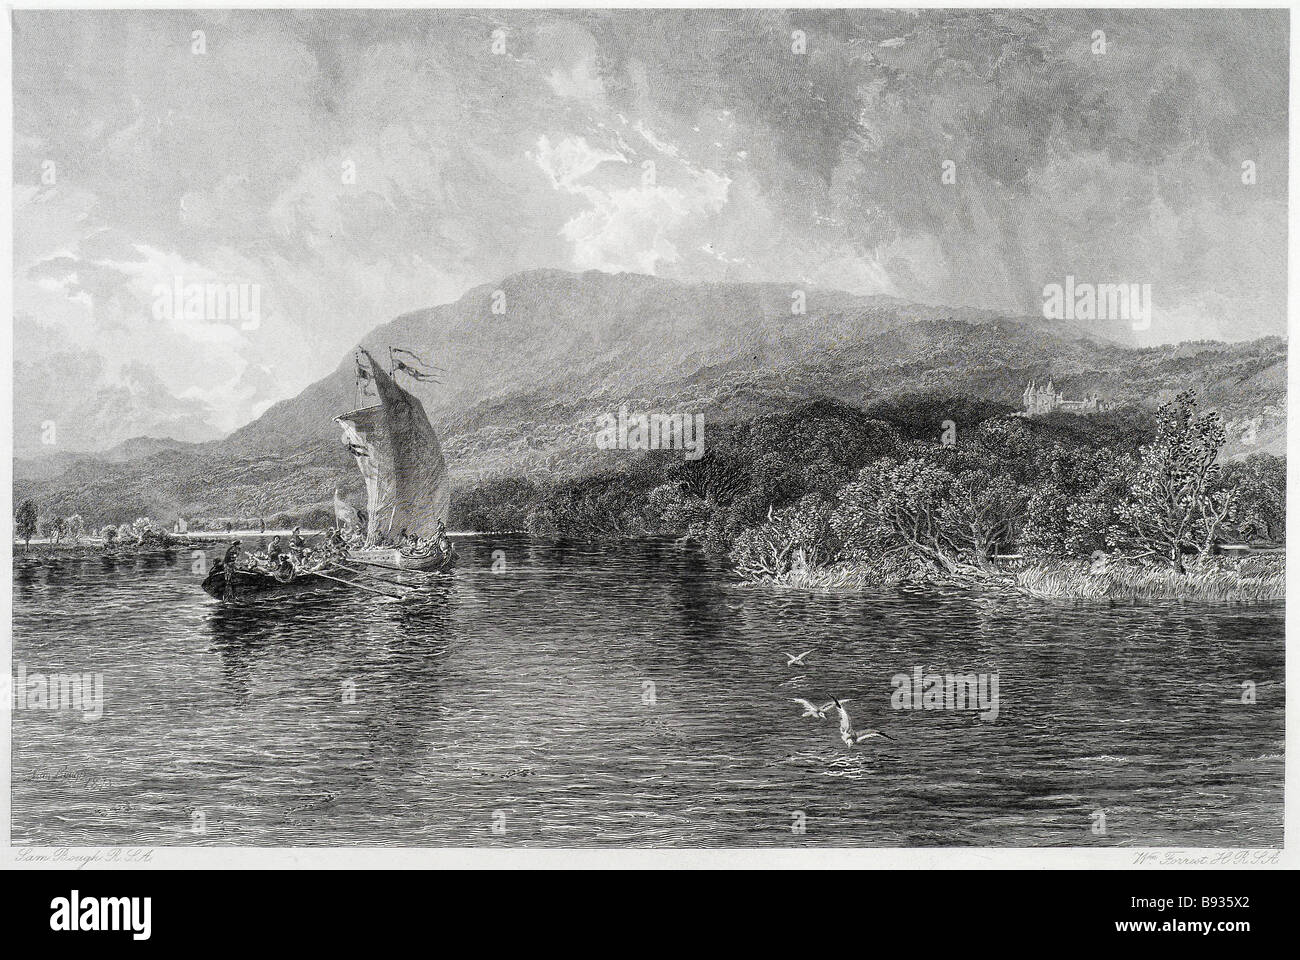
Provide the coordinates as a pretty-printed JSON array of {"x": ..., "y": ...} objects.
[{"x": 1043, "y": 400}]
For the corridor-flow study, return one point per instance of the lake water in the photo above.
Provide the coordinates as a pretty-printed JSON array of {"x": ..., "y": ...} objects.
[{"x": 633, "y": 694}]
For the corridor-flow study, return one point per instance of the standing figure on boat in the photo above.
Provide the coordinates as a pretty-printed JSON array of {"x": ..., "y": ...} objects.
[{"x": 231, "y": 560}]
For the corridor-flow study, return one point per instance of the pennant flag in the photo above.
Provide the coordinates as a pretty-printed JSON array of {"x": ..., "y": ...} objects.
[
  {"x": 412, "y": 372},
  {"x": 416, "y": 357}
]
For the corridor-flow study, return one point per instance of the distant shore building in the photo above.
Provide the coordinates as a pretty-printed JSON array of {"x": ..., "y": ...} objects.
[{"x": 1040, "y": 401}]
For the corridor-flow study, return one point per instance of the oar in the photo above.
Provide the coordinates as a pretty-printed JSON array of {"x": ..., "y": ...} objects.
[
  {"x": 359, "y": 586},
  {"x": 371, "y": 563},
  {"x": 362, "y": 573}
]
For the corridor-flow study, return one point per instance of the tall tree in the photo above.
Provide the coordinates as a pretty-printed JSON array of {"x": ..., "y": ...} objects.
[
  {"x": 1172, "y": 504},
  {"x": 25, "y": 522},
  {"x": 982, "y": 512}
]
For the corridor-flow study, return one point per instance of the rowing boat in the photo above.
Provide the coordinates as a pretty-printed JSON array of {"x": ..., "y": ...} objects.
[
  {"x": 257, "y": 583},
  {"x": 253, "y": 583}
]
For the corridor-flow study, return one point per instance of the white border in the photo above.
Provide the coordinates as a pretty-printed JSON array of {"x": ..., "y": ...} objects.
[{"x": 207, "y": 857}]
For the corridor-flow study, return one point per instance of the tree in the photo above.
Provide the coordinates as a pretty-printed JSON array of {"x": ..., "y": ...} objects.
[
  {"x": 1172, "y": 503},
  {"x": 25, "y": 522},
  {"x": 496, "y": 505},
  {"x": 1073, "y": 502},
  {"x": 1258, "y": 488},
  {"x": 76, "y": 526},
  {"x": 58, "y": 527},
  {"x": 982, "y": 512},
  {"x": 895, "y": 504},
  {"x": 108, "y": 534},
  {"x": 797, "y": 538}
]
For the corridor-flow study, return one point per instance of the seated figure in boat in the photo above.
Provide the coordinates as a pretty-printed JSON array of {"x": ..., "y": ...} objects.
[
  {"x": 336, "y": 544},
  {"x": 284, "y": 570},
  {"x": 264, "y": 561},
  {"x": 444, "y": 544}
]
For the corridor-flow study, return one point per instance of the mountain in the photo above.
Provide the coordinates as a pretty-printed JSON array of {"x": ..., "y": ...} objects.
[
  {"x": 137, "y": 448},
  {"x": 523, "y": 387},
  {"x": 53, "y": 419},
  {"x": 567, "y": 334},
  {"x": 56, "y": 464}
]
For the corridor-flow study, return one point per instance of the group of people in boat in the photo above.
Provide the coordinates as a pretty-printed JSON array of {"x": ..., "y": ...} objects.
[
  {"x": 277, "y": 560},
  {"x": 425, "y": 545},
  {"x": 286, "y": 562}
]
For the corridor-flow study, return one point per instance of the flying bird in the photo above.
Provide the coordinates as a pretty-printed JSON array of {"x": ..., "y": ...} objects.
[
  {"x": 847, "y": 733},
  {"x": 791, "y": 660},
  {"x": 811, "y": 709}
]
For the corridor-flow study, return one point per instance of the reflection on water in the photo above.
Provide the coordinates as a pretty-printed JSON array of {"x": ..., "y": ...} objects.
[{"x": 633, "y": 694}]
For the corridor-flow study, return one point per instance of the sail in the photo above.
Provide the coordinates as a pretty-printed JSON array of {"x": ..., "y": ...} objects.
[
  {"x": 400, "y": 459},
  {"x": 365, "y": 436},
  {"x": 344, "y": 515},
  {"x": 421, "y": 489}
]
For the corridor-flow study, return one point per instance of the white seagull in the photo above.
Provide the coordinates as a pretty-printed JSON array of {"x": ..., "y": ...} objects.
[
  {"x": 847, "y": 733},
  {"x": 791, "y": 660},
  {"x": 811, "y": 709}
]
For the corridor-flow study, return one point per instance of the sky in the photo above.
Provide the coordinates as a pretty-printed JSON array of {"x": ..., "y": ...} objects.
[{"x": 352, "y": 166}]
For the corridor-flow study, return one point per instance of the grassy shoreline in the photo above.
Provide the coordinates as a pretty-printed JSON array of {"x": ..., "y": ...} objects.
[
  {"x": 1260, "y": 579},
  {"x": 1253, "y": 579}
]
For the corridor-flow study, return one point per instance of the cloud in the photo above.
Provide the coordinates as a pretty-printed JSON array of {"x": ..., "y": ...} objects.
[
  {"x": 764, "y": 165},
  {"x": 632, "y": 222},
  {"x": 580, "y": 81}
]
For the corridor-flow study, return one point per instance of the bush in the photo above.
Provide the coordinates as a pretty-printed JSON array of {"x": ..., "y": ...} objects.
[{"x": 794, "y": 540}]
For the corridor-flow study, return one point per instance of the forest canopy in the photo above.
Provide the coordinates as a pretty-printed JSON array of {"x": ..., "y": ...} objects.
[{"x": 942, "y": 482}]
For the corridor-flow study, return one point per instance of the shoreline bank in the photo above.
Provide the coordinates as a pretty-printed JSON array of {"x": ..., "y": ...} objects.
[{"x": 1252, "y": 579}]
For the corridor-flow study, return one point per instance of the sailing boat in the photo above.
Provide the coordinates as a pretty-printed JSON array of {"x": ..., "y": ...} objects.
[
  {"x": 401, "y": 462},
  {"x": 407, "y": 490}
]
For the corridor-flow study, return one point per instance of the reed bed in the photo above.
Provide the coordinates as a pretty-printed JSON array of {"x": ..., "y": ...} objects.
[{"x": 1212, "y": 580}]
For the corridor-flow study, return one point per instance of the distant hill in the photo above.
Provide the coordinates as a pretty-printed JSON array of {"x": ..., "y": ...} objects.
[
  {"x": 522, "y": 389},
  {"x": 56, "y": 464}
]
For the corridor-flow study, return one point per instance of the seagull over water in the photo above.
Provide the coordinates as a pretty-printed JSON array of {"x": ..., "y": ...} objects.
[
  {"x": 811, "y": 709},
  {"x": 847, "y": 733},
  {"x": 791, "y": 660}
]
